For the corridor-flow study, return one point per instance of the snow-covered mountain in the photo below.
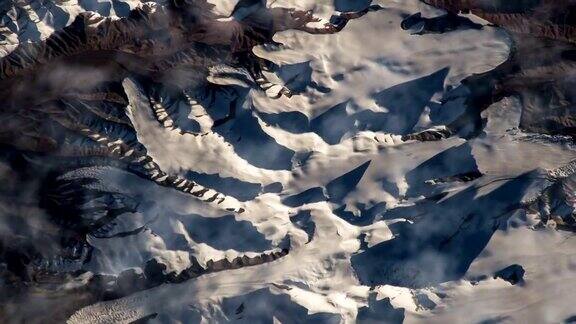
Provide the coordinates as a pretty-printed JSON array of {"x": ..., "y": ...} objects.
[{"x": 289, "y": 161}]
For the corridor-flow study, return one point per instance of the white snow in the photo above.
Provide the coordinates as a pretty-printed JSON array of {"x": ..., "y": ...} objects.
[{"x": 370, "y": 55}]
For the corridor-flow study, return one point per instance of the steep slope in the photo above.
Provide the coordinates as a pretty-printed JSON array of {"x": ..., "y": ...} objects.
[{"x": 285, "y": 161}]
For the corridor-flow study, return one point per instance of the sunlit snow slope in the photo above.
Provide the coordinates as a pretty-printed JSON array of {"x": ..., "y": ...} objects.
[{"x": 364, "y": 221}]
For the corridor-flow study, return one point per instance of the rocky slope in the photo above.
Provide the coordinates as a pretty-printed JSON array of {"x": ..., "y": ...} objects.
[{"x": 286, "y": 161}]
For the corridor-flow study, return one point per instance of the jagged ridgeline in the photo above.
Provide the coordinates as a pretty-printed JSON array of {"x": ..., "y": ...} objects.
[
  {"x": 66, "y": 106},
  {"x": 545, "y": 18},
  {"x": 90, "y": 89}
]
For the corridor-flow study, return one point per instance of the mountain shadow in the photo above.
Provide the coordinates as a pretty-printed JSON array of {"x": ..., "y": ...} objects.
[{"x": 441, "y": 244}]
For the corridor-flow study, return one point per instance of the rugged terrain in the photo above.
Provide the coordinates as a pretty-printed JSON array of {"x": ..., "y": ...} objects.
[{"x": 291, "y": 161}]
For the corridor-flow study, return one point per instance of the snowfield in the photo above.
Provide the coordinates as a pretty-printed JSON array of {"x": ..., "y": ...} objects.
[{"x": 378, "y": 227}]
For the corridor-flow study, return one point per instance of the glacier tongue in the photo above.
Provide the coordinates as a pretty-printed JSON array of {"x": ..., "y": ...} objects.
[{"x": 282, "y": 161}]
